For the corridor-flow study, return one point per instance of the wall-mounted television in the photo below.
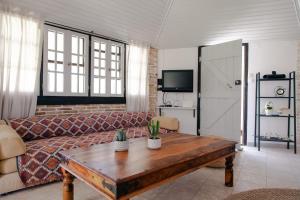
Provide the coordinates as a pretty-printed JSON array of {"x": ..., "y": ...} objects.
[{"x": 177, "y": 80}]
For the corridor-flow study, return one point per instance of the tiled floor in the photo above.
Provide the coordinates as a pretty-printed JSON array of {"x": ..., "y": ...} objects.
[{"x": 272, "y": 167}]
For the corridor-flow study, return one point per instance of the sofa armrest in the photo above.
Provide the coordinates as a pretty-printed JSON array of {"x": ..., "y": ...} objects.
[
  {"x": 11, "y": 144},
  {"x": 170, "y": 123}
]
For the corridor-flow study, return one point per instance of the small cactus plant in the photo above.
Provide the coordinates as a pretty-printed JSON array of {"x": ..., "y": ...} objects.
[
  {"x": 153, "y": 128},
  {"x": 121, "y": 135}
]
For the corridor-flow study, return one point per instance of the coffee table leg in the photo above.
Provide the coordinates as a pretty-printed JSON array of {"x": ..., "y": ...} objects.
[
  {"x": 68, "y": 187},
  {"x": 229, "y": 171}
]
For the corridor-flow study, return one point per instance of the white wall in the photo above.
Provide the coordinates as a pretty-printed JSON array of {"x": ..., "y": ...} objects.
[
  {"x": 184, "y": 58},
  {"x": 264, "y": 57}
]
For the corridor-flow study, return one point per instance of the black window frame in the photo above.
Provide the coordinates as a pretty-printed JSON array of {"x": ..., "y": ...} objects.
[{"x": 73, "y": 100}]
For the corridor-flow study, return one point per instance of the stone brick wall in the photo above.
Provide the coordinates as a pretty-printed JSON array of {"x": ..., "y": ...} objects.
[
  {"x": 152, "y": 73},
  {"x": 73, "y": 109}
]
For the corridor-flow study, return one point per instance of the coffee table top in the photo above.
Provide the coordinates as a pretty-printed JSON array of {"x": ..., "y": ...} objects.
[{"x": 139, "y": 160}]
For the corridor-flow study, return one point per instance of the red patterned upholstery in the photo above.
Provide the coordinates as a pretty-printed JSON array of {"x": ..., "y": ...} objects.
[
  {"x": 46, "y": 136},
  {"x": 38, "y": 127},
  {"x": 40, "y": 164}
]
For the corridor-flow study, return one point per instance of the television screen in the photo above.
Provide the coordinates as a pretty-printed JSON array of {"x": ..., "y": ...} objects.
[{"x": 177, "y": 80}]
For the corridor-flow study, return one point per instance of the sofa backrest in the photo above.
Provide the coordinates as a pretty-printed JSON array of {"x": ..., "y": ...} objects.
[{"x": 40, "y": 127}]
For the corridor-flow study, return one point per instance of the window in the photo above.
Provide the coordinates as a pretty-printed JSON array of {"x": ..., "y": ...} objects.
[
  {"x": 66, "y": 65},
  {"x": 107, "y": 68}
]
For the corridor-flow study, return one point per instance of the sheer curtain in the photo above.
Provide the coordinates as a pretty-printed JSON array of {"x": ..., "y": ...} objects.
[
  {"x": 137, "y": 92},
  {"x": 20, "y": 53}
]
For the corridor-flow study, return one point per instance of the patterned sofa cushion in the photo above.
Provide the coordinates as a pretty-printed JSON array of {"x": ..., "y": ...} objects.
[
  {"x": 40, "y": 163},
  {"x": 40, "y": 127}
]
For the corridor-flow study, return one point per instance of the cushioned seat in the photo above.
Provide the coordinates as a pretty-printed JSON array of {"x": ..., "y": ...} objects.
[
  {"x": 40, "y": 164},
  {"x": 8, "y": 165},
  {"x": 11, "y": 144}
]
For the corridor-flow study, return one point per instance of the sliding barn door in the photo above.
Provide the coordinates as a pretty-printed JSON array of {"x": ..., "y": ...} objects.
[{"x": 220, "y": 97}]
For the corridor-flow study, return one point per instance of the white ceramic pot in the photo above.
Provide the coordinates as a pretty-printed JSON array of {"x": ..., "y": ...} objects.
[
  {"x": 154, "y": 144},
  {"x": 121, "y": 145},
  {"x": 268, "y": 112}
]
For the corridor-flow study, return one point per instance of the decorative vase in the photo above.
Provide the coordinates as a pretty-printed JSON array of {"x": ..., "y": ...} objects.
[
  {"x": 269, "y": 108},
  {"x": 154, "y": 143},
  {"x": 121, "y": 145}
]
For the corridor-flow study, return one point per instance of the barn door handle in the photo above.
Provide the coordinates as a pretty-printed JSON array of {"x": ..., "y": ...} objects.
[{"x": 237, "y": 82}]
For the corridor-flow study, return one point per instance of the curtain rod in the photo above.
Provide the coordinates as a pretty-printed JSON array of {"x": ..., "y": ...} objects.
[{"x": 83, "y": 31}]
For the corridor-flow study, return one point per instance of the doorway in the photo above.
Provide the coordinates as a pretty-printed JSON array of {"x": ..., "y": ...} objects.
[{"x": 244, "y": 91}]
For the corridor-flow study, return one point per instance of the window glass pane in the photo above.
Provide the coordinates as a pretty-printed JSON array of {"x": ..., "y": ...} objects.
[
  {"x": 113, "y": 57},
  {"x": 74, "y": 59},
  {"x": 60, "y": 57},
  {"x": 102, "y": 55},
  {"x": 96, "y": 62},
  {"x": 59, "y": 82},
  {"x": 74, "y": 44},
  {"x": 118, "y": 58},
  {"x": 103, "y": 47},
  {"x": 74, "y": 69},
  {"x": 81, "y": 71},
  {"x": 51, "y": 82},
  {"x": 113, "y": 64},
  {"x": 80, "y": 60},
  {"x": 59, "y": 67},
  {"x": 113, "y": 73},
  {"x": 60, "y": 42},
  {"x": 51, "y": 66},
  {"x": 81, "y": 84},
  {"x": 117, "y": 65},
  {"x": 74, "y": 83},
  {"x": 81, "y": 45},
  {"x": 102, "y": 72},
  {"x": 103, "y": 63},
  {"x": 51, "y": 55},
  {"x": 96, "y": 85},
  {"x": 96, "y": 54},
  {"x": 113, "y": 48},
  {"x": 118, "y": 74},
  {"x": 51, "y": 40},
  {"x": 103, "y": 86},
  {"x": 118, "y": 86},
  {"x": 118, "y": 50},
  {"x": 113, "y": 86},
  {"x": 96, "y": 72},
  {"x": 96, "y": 45}
]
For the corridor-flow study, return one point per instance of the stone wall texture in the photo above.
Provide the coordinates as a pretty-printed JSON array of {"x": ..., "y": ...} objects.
[{"x": 73, "y": 109}]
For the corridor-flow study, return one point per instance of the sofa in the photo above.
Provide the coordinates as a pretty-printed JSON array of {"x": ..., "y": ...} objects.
[{"x": 30, "y": 147}]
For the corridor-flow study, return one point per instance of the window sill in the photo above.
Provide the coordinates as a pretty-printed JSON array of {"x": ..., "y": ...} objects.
[{"x": 71, "y": 100}]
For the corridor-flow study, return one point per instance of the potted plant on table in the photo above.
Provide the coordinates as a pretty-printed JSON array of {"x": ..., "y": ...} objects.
[
  {"x": 121, "y": 142},
  {"x": 154, "y": 142}
]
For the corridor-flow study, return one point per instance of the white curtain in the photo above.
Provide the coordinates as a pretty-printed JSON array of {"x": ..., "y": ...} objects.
[
  {"x": 20, "y": 53},
  {"x": 137, "y": 92}
]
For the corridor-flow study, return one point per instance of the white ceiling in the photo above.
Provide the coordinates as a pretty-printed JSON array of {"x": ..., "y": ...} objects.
[{"x": 174, "y": 23}]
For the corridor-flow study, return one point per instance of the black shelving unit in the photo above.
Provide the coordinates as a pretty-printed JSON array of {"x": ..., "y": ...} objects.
[{"x": 290, "y": 118}]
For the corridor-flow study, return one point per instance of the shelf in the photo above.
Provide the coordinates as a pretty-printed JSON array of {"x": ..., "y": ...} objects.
[
  {"x": 264, "y": 115},
  {"x": 275, "y": 97},
  {"x": 275, "y": 79},
  {"x": 274, "y": 139},
  {"x": 177, "y": 107}
]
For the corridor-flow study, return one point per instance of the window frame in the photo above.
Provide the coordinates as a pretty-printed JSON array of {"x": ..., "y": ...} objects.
[{"x": 45, "y": 98}]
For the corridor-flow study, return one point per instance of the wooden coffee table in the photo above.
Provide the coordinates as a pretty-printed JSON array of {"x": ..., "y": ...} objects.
[{"x": 122, "y": 175}]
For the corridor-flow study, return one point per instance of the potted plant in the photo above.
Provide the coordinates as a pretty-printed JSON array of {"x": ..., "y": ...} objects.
[
  {"x": 121, "y": 142},
  {"x": 269, "y": 108},
  {"x": 154, "y": 142}
]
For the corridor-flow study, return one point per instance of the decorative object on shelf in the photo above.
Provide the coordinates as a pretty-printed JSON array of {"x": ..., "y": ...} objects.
[
  {"x": 269, "y": 108},
  {"x": 280, "y": 91},
  {"x": 274, "y": 75},
  {"x": 121, "y": 143},
  {"x": 154, "y": 142}
]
